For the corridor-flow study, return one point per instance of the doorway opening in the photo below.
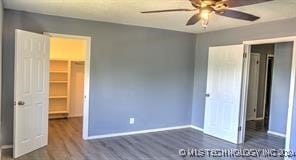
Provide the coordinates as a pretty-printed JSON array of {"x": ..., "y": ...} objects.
[
  {"x": 69, "y": 81},
  {"x": 66, "y": 77},
  {"x": 268, "y": 90},
  {"x": 268, "y": 85},
  {"x": 43, "y": 85}
]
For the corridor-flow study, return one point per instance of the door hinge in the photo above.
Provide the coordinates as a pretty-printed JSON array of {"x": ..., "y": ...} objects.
[
  {"x": 245, "y": 55},
  {"x": 240, "y": 128}
]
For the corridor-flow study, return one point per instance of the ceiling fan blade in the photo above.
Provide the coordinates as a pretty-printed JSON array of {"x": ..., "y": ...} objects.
[
  {"x": 239, "y": 3},
  {"x": 193, "y": 20},
  {"x": 168, "y": 10},
  {"x": 238, "y": 15}
]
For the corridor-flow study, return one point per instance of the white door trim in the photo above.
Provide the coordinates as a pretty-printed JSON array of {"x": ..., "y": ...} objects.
[
  {"x": 271, "y": 40},
  {"x": 85, "y": 135},
  {"x": 292, "y": 84},
  {"x": 244, "y": 94}
]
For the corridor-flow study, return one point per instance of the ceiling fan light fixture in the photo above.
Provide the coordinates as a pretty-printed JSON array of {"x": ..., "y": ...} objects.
[
  {"x": 203, "y": 5},
  {"x": 204, "y": 16}
]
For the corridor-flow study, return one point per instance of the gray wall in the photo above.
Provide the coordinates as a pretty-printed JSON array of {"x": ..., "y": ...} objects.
[
  {"x": 227, "y": 37},
  {"x": 264, "y": 50},
  {"x": 136, "y": 72},
  {"x": 280, "y": 87}
]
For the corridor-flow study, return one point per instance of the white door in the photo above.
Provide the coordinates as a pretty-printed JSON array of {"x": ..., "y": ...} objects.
[
  {"x": 222, "y": 109},
  {"x": 31, "y": 92},
  {"x": 253, "y": 86}
]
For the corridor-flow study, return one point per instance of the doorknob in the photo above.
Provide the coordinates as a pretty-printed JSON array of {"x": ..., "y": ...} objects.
[
  {"x": 21, "y": 103},
  {"x": 207, "y": 95}
]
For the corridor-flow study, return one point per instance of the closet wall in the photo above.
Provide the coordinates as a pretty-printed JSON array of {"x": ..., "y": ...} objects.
[
  {"x": 77, "y": 88},
  {"x": 67, "y": 62},
  {"x": 66, "y": 48}
]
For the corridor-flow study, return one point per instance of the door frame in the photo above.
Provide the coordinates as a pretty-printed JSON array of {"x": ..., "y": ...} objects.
[
  {"x": 265, "y": 83},
  {"x": 85, "y": 125},
  {"x": 247, "y": 45}
]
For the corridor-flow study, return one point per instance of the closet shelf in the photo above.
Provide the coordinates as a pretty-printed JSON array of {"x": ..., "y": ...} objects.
[
  {"x": 58, "y": 81},
  {"x": 58, "y": 112},
  {"x": 62, "y": 72},
  {"x": 58, "y": 97}
]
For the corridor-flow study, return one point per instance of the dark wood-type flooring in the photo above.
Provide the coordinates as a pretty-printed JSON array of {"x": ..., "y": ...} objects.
[{"x": 65, "y": 143}]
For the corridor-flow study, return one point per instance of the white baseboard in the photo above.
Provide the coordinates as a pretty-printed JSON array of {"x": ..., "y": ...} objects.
[
  {"x": 256, "y": 119},
  {"x": 6, "y": 146},
  {"x": 196, "y": 128},
  {"x": 259, "y": 118},
  {"x": 137, "y": 132},
  {"x": 276, "y": 134}
]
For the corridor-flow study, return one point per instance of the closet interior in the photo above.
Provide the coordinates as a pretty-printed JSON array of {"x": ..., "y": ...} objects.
[{"x": 66, "y": 77}]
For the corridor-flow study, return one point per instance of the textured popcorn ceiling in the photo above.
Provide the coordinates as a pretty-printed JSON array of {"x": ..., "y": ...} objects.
[{"x": 128, "y": 12}]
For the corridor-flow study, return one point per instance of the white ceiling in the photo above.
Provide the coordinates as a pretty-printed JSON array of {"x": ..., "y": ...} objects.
[{"x": 128, "y": 12}]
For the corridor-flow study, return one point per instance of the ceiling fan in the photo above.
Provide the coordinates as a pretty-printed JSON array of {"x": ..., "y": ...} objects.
[{"x": 205, "y": 8}]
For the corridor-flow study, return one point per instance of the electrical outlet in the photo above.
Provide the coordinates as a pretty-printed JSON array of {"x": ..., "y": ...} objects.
[{"x": 132, "y": 120}]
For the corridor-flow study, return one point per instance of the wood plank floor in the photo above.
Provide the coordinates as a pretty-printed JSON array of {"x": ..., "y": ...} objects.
[{"x": 65, "y": 143}]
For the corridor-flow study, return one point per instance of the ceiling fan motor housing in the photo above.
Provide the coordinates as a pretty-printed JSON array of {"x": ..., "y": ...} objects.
[
  {"x": 209, "y": 2},
  {"x": 219, "y": 6}
]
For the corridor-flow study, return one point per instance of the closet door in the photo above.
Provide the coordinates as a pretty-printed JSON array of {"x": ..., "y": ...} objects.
[{"x": 253, "y": 86}]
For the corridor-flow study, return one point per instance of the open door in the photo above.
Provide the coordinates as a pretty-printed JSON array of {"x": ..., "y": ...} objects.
[
  {"x": 224, "y": 83},
  {"x": 253, "y": 86},
  {"x": 31, "y": 92}
]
